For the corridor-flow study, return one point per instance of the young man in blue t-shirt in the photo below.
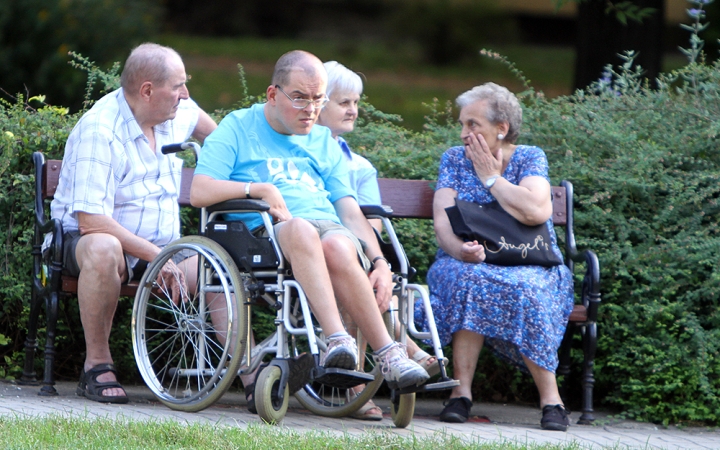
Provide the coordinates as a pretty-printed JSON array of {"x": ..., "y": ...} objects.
[{"x": 273, "y": 152}]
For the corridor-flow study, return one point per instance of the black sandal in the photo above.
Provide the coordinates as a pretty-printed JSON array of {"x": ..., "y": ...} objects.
[{"x": 92, "y": 389}]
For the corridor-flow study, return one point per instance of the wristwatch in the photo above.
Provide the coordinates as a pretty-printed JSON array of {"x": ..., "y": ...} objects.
[{"x": 491, "y": 181}]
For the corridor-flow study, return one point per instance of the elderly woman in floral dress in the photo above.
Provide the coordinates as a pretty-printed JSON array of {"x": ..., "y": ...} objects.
[{"x": 519, "y": 311}]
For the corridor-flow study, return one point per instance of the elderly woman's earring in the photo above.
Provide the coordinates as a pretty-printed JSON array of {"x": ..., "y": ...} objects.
[{"x": 501, "y": 136}]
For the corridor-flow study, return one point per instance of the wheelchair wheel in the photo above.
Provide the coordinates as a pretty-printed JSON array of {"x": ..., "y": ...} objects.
[
  {"x": 270, "y": 407},
  {"x": 402, "y": 412},
  {"x": 189, "y": 351}
]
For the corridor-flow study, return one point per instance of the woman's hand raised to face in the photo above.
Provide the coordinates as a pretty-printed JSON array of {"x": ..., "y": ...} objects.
[{"x": 486, "y": 163}]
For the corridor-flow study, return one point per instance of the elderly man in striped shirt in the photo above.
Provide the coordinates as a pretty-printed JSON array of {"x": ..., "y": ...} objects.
[{"x": 117, "y": 195}]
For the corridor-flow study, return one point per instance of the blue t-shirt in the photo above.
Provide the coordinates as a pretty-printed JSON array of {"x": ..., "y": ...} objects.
[{"x": 308, "y": 170}]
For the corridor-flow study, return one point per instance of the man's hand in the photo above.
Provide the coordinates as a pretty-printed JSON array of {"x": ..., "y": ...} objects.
[
  {"x": 173, "y": 279},
  {"x": 381, "y": 281},
  {"x": 273, "y": 197}
]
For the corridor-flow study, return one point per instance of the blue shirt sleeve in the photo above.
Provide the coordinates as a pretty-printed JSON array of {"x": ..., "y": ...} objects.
[
  {"x": 534, "y": 163},
  {"x": 219, "y": 155}
]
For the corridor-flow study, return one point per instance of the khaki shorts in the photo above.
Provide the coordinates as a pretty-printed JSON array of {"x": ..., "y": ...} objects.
[
  {"x": 70, "y": 264},
  {"x": 328, "y": 227}
]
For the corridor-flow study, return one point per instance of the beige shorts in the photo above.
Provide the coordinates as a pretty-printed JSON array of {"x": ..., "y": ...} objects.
[
  {"x": 71, "y": 268},
  {"x": 327, "y": 227}
]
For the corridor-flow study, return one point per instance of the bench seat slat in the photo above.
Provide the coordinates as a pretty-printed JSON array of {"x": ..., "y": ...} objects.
[
  {"x": 579, "y": 314},
  {"x": 70, "y": 285},
  {"x": 52, "y": 175}
]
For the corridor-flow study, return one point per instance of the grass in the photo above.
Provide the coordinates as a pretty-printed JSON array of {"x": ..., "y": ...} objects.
[
  {"x": 61, "y": 432},
  {"x": 397, "y": 80}
]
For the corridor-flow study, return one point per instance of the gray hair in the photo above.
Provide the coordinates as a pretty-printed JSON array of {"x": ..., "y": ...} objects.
[
  {"x": 147, "y": 62},
  {"x": 294, "y": 60},
  {"x": 503, "y": 106},
  {"x": 342, "y": 79}
]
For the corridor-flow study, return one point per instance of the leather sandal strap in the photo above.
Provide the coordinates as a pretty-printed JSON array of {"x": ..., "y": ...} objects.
[{"x": 101, "y": 369}]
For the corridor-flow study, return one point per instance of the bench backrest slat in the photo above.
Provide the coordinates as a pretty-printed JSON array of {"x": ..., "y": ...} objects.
[
  {"x": 411, "y": 199},
  {"x": 407, "y": 198}
]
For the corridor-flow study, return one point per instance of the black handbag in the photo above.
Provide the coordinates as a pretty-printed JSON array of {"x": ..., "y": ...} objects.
[{"x": 507, "y": 242}]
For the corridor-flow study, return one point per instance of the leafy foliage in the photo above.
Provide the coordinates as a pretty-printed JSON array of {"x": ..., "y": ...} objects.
[{"x": 25, "y": 129}]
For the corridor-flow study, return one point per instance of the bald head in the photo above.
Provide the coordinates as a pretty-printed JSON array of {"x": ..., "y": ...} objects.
[
  {"x": 148, "y": 62},
  {"x": 297, "y": 60}
]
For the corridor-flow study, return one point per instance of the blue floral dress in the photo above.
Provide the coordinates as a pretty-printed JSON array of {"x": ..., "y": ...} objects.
[{"x": 519, "y": 309}]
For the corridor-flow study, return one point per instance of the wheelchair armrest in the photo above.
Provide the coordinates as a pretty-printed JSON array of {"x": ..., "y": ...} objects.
[
  {"x": 239, "y": 204},
  {"x": 376, "y": 210}
]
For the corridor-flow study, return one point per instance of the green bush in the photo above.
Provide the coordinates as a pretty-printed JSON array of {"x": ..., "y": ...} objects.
[
  {"x": 646, "y": 175},
  {"x": 25, "y": 130}
]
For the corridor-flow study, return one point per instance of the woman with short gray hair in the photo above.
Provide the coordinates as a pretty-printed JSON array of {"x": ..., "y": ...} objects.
[
  {"x": 344, "y": 89},
  {"x": 503, "y": 106},
  {"x": 519, "y": 311}
]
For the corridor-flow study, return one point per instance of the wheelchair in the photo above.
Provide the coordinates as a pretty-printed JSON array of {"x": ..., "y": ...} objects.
[{"x": 190, "y": 346}]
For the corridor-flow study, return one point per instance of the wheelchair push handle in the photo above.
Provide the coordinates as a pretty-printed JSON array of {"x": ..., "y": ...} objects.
[
  {"x": 376, "y": 210},
  {"x": 174, "y": 148}
]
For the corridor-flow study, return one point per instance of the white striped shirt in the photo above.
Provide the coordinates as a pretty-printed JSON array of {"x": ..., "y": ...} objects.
[{"x": 108, "y": 168}]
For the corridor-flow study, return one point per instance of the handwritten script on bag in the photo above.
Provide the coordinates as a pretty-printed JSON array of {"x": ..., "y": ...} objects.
[{"x": 538, "y": 245}]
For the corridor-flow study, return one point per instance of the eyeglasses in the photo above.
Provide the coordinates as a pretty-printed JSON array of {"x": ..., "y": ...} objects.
[{"x": 302, "y": 103}]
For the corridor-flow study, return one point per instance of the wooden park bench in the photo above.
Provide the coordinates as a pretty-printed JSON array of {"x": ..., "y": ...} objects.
[
  {"x": 48, "y": 282},
  {"x": 413, "y": 199},
  {"x": 410, "y": 199}
]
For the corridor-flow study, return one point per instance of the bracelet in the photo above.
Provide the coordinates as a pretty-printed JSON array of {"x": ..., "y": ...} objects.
[
  {"x": 378, "y": 258},
  {"x": 247, "y": 189}
]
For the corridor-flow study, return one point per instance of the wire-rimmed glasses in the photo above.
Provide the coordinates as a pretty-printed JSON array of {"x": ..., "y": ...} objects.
[{"x": 302, "y": 103}]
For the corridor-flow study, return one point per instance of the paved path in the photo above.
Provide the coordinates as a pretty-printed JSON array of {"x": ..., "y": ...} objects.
[{"x": 510, "y": 423}]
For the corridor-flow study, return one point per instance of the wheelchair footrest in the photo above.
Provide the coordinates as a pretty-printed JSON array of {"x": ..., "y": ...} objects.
[
  {"x": 440, "y": 385},
  {"x": 299, "y": 371},
  {"x": 341, "y": 378}
]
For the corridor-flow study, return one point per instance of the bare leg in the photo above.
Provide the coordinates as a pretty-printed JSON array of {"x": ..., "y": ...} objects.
[
  {"x": 353, "y": 290},
  {"x": 546, "y": 384},
  {"x": 216, "y": 306},
  {"x": 102, "y": 270},
  {"x": 301, "y": 245},
  {"x": 466, "y": 350},
  {"x": 412, "y": 347}
]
